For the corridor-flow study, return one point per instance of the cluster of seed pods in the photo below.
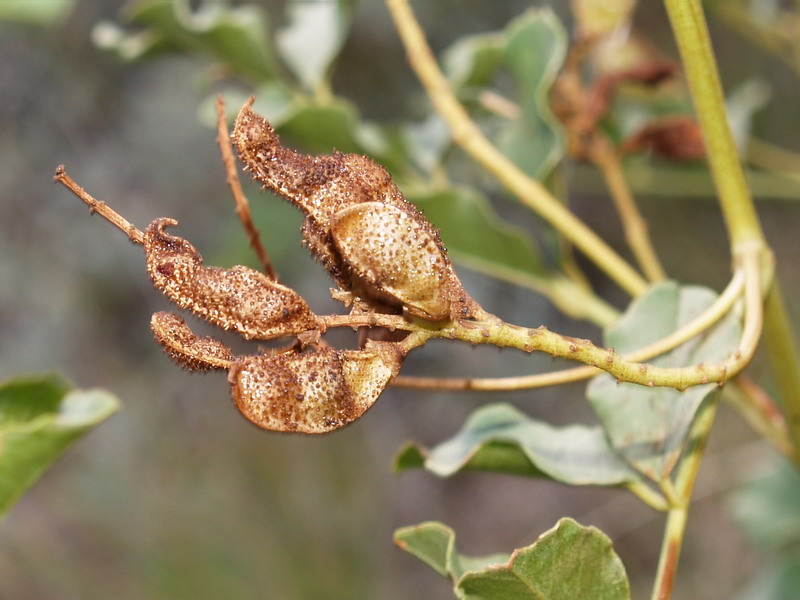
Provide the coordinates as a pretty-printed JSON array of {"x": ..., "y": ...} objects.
[
  {"x": 299, "y": 390},
  {"x": 372, "y": 241},
  {"x": 375, "y": 245}
]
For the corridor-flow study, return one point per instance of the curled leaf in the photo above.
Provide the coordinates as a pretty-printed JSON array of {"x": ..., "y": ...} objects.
[
  {"x": 568, "y": 562},
  {"x": 186, "y": 348},
  {"x": 312, "y": 392},
  {"x": 240, "y": 298},
  {"x": 347, "y": 194}
]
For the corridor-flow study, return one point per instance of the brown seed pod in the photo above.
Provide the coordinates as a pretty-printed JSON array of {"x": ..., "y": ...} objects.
[
  {"x": 312, "y": 392},
  {"x": 317, "y": 185},
  {"x": 390, "y": 253},
  {"x": 187, "y": 349},
  {"x": 240, "y": 298},
  {"x": 329, "y": 189}
]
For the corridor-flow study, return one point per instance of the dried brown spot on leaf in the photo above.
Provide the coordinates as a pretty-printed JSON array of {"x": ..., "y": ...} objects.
[
  {"x": 329, "y": 189},
  {"x": 187, "y": 349},
  {"x": 312, "y": 392},
  {"x": 240, "y": 298}
]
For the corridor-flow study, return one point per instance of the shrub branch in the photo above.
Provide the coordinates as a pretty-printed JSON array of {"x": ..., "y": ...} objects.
[{"x": 697, "y": 326}]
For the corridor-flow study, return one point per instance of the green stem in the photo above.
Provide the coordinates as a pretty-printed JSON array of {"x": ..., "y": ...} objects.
[
  {"x": 744, "y": 228},
  {"x": 489, "y": 329},
  {"x": 679, "y": 512},
  {"x": 648, "y": 495},
  {"x": 670, "y": 553},
  {"x": 691, "y": 33},
  {"x": 784, "y": 361},
  {"x": 636, "y": 230}
]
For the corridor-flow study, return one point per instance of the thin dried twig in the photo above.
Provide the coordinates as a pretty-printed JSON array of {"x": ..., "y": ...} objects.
[
  {"x": 242, "y": 205},
  {"x": 101, "y": 208}
]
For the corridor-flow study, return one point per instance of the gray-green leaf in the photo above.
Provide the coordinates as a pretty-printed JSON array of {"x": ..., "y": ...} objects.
[
  {"x": 477, "y": 237},
  {"x": 313, "y": 38},
  {"x": 500, "y": 438},
  {"x": 473, "y": 61},
  {"x": 39, "y": 418},
  {"x": 321, "y": 128},
  {"x": 236, "y": 36},
  {"x": 778, "y": 581},
  {"x": 534, "y": 52},
  {"x": 568, "y": 562},
  {"x": 767, "y": 508},
  {"x": 648, "y": 426}
]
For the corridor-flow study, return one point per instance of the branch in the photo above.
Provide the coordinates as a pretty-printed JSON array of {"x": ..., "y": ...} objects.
[
  {"x": 101, "y": 208},
  {"x": 466, "y": 134},
  {"x": 721, "y": 306},
  {"x": 492, "y": 330},
  {"x": 679, "y": 511},
  {"x": 744, "y": 228},
  {"x": 242, "y": 205},
  {"x": 691, "y": 34}
]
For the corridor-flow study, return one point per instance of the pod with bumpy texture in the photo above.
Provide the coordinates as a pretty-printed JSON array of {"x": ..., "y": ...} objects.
[
  {"x": 240, "y": 298},
  {"x": 329, "y": 189},
  {"x": 391, "y": 253},
  {"x": 312, "y": 392},
  {"x": 187, "y": 349}
]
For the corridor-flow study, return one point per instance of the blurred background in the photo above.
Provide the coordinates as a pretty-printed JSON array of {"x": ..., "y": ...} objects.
[{"x": 177, "y": 496}]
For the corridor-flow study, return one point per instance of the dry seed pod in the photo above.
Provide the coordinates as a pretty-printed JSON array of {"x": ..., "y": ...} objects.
[
  {"x": 312, "y": 392},
  {"x": 239, "y": 298},
  {"x": 328, "y": 189},
  {"x": 317, "y": 185},
  {"x": 389, "y": 252},
  {"x": 187, "y": 349}
]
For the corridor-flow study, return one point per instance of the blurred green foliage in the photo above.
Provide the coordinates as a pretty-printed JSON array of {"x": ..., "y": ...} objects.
[
  {"x": 39, "y": 12},
  {"x": 766, "y": 508},
  {"x": 569, "y": 561},
  {"x": 39, "y": 419}
]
